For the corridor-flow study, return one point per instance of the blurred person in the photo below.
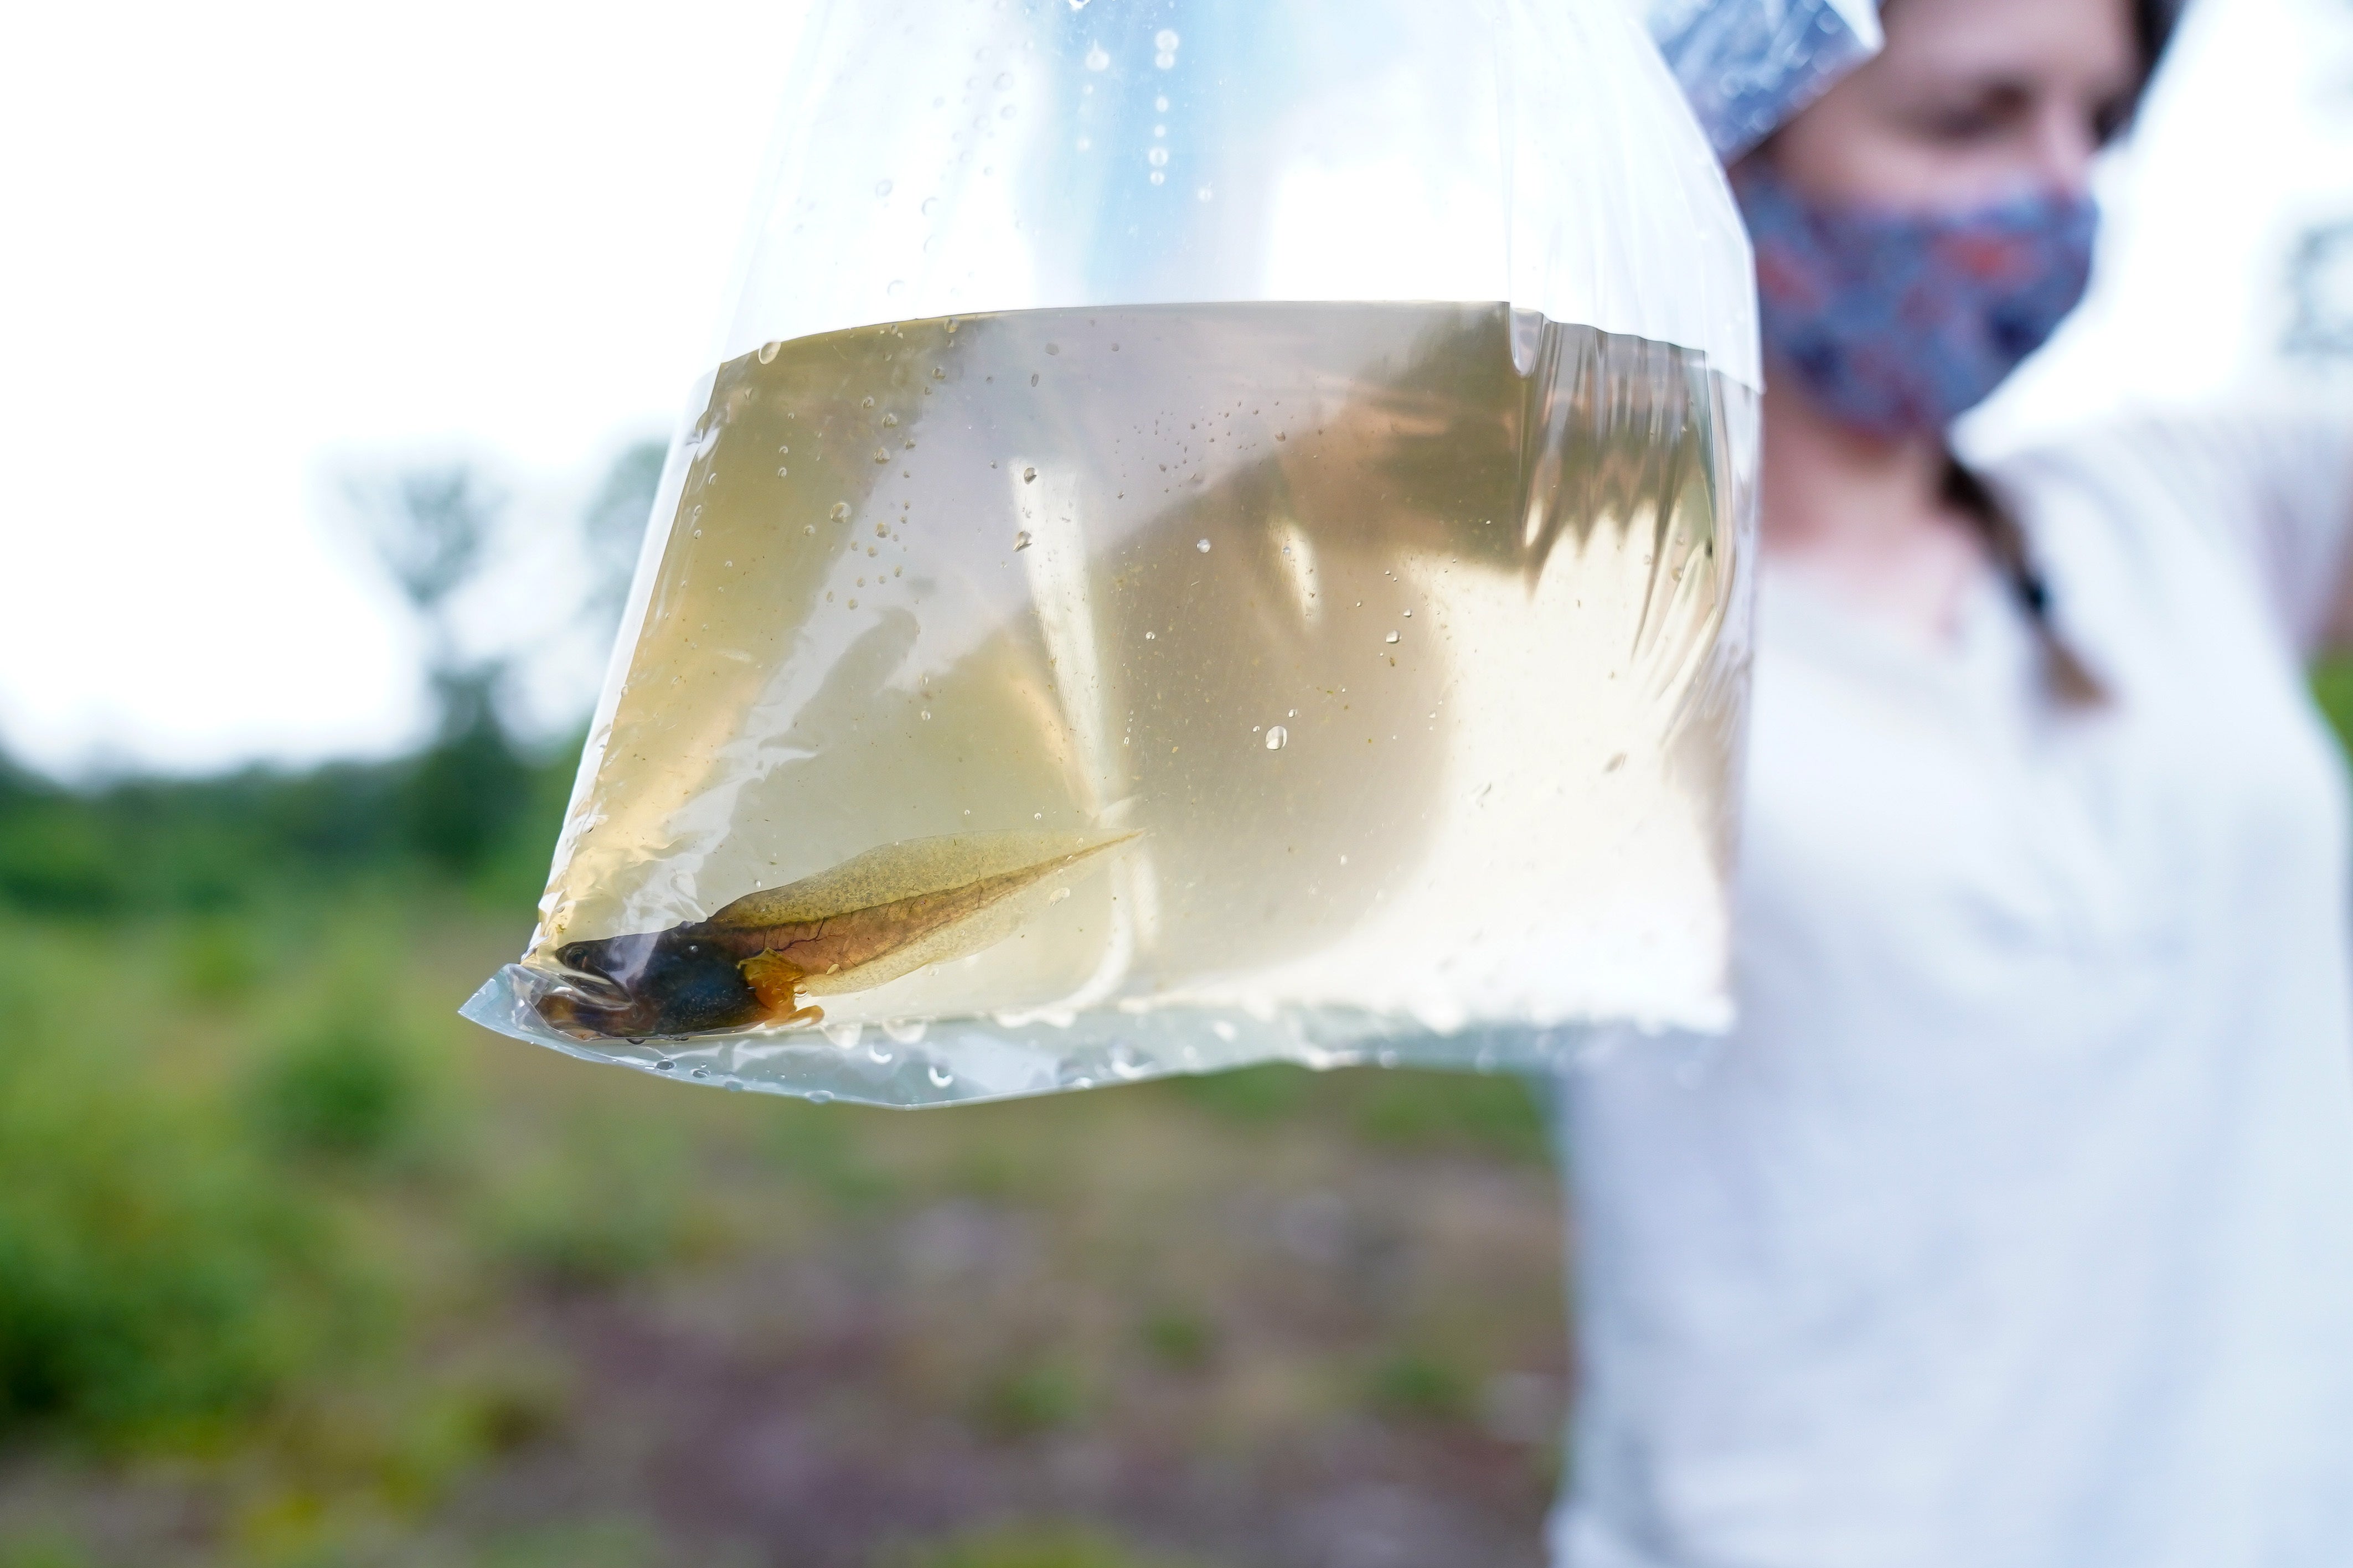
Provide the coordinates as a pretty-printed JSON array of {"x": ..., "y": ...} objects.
[{"x": 2012, "y": 1226}]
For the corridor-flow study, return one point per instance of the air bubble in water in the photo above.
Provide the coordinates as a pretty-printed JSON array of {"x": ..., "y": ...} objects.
[
  {"x": 898, "y": 286},
  {"x": 931, "y": 203},
  {"x": 665, "y": 1065},
  {"x": 1158, "y": 178},
  {"x": 1391, "y": 637},
  {"x": 1277, "y": 738},
  {"x": 1058, "y": 895},
  {"x": 1098, "y": 60},
  {"x": 768, "y": 353},
  {"x": 907, "y": 1032},
  {"x": 881, "y": 187},
  {"x": 1158, "y": 157},
  {"x": 840, "y": 510},
  {"x": 1004, "y": 80},
  {"x": 1028, "y": 475},
  {"x": 883, "y": 457},
  {"x": 879, "y": 1054},
  {"x": 821, "y": 1097},
  {"x": 1166, "y": 38},
  {"x": 1203, "y": 546},
  {"x": 940, "y": 1076},
  {"x": 1021, "y": 540}
]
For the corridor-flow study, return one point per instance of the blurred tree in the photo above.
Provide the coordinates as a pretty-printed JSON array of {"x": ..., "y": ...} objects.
[
  {"x": 614, "y": 527},
  {"x": 431, "y": 530}
]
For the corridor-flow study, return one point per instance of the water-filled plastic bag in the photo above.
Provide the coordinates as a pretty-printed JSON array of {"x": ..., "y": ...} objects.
[{"x": 1216, "y": 533}]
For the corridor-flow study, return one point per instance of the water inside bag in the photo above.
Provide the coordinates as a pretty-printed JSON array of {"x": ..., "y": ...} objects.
[{"x": 1326, "y": 681}]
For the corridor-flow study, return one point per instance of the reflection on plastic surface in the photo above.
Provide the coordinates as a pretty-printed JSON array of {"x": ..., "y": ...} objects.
[
  {"x": 1748, "y": 65},
  {"x": 1330, "y": 689},
  {"x": 949, "y": 157}
]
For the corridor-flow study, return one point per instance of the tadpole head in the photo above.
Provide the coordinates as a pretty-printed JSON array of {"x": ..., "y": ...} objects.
[{"x": 676, "y": 982}]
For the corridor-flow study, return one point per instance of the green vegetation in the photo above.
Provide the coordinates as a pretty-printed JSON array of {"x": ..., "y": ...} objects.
[{"x": 296, "y": 1268}]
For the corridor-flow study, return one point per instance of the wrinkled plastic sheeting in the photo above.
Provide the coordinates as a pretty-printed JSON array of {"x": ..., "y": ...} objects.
[{"x": 1748, "y": 65}]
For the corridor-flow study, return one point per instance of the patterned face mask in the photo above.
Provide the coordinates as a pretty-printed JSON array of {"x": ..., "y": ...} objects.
[{"x": 1896, "y": 323}]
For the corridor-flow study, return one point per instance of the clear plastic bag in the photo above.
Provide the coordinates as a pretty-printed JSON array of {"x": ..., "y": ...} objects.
[{"x": 1218, "y": 532}]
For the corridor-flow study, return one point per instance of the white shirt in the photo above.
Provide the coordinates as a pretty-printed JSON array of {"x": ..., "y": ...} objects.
[{"x": 2012, "y": 1227}]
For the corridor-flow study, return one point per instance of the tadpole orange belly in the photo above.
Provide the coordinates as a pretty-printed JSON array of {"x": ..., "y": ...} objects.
[{"x": 871, "y": 919}]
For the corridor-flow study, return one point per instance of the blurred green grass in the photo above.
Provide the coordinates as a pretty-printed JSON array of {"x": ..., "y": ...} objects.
[{"x": 297, "y": 1269}]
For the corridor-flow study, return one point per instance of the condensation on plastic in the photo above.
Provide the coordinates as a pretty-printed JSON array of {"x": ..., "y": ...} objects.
[
  {"x": 1499, "y": 189},
  {"x": 1748, "y": 65},
  {"x": 942, "y": 157}
]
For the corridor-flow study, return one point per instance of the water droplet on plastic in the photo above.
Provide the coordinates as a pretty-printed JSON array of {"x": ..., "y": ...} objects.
[
  {"x": 1158, "y": 131},
  {"x": 1058, "y": 895},
  {"x": 1158, "y": 178},
  {"x": 1098, "y": 60},
  {"x": 1021, "y": 540},
  {"x": 1387, "y": 1058},
  {"x": 781, "y": 473},
  {"x": 821, "y": 1097},
  {"x": 907, "y": 1031},
  {"x": 665, "y": 1065},
  {"x": 1165, "y": 59},
  {"x": 1277, "y": 738},
  {"x": 898, "y": 286},
  {"x": 1150, "y": 637},
  {"x": 840, "y": 510},
  {"x": 1222, "y": 1029},
  {"x": 866, "y": 403},
  {"x": 703, "y": 1073},
  {"x": 879, "y": 1054},
  {"x": 1161, "y": 103},
  {"x": 735, "y": 1085},
  {"x": 1127, "y": 1063},
  {"x": 1203, "y": 193},
  {"x": 881, "y": 187},
  {"x": 1158, "y": 157},
  {"x": 1202, "y": 545},
  {"x": 768, "y": 353},
  {"x": 1085, "y": 142},
  {"x": 1166, "y": 38},
  {"x": 881, "y": 456},
  {"x": 1028, "y": 475},
  {"x": 808, "y": 528},
  {"x": 941, "y": 1077},
  {"x": 926, "y": 712},
  {"x": 1391, "y": 637},
  {"x": 637, "y": 1039},
  {"x": 1006, "y": 112}
]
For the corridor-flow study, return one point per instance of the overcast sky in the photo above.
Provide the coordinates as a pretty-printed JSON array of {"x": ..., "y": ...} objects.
[{"x": 255, "y": 247}]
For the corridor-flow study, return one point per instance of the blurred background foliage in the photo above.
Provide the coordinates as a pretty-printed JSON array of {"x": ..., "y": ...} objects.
[{"x": 299, "y": 1270}]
